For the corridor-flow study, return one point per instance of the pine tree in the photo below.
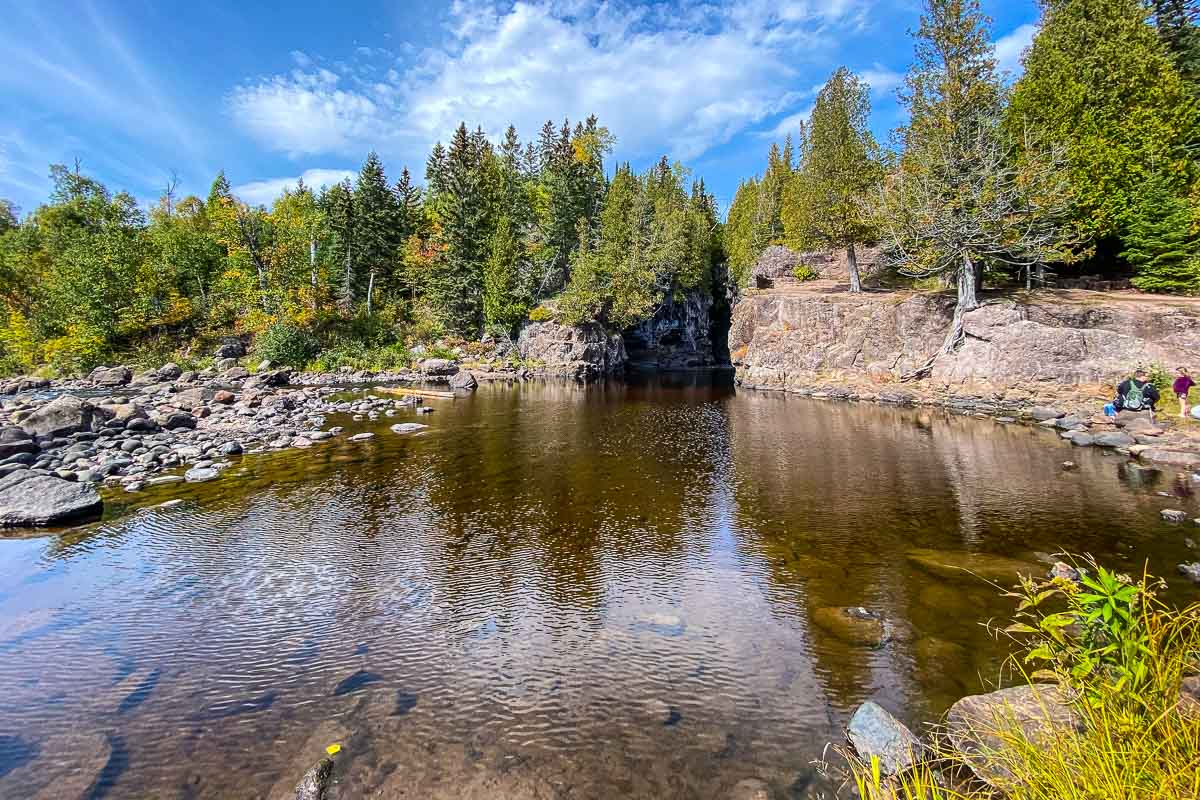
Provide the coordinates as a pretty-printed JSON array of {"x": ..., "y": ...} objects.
[
  {"x": 1100, "y": 83},
  {"x": 501, "y": 302},
  {"x": 408, "y": 201},
  {"x": 458, "y": 280},
  {"x": 1177, "y": 28},
  {"x": 1161, "y": 243},
  {"x": 737, "y": 235},
  {"x": 377, "y": 229},
  {"x": 825, "y": 203},
  {"x": 960, "y": 202},
  {"x": 338, "y": 207}
]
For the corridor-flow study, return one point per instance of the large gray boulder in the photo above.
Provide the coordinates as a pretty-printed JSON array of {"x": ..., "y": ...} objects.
[
  {"x": 61, "y": 416},
  {"x": 230, "y": 348},
  {"x": 438, "y": 366},
  {"x": 978, "y": 726},
  {"x": 585, "y": 352},
  {"x": 110, "y": 377},
  {"x": 28, "y": 499},
  {"x": 463, "y": 380},
  {"x": 877, "y": 734}
]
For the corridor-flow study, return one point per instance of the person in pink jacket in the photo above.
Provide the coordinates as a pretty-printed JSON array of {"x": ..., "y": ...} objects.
[{"x": 1183, "y": 384}]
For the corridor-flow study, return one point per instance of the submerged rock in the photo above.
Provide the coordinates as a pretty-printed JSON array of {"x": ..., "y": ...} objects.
[
  {"x": 200, "y": 474},
  {"x": 975, "y": 725},
  {"x": 408, "y": 427},
  {"x": 877, "y": 734},
  {"x": 70, "y": 766},
  {"x": 855, "y": 625},
  {"x": 962, "y": 565},
  {"x": 29, "y": 499}
]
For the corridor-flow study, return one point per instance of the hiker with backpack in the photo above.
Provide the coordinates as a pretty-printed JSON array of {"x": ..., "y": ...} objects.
[{"x": 1136, "y": 393}]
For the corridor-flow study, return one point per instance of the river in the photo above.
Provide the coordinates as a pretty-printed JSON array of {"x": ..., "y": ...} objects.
[{"x": 555, "y": 591}]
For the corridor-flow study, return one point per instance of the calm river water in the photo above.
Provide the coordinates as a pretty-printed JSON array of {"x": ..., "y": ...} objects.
[{"x": 555, "y": 591}]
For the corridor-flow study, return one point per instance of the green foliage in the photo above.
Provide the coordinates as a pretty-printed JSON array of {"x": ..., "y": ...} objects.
[
  {"x": 1161, "y": 240},
  {"x": 540, "y": 314},
  {"x": 1099, "y": 83},
  {"x": 502, "y": 304},
  {"x": 825, "y": 201},
  {"x": 1120, "y": 655},
  {"x": 1161, "y": 377},
  {"x": 286, "y": 343},
  {"x": 359, "y": 355},
  {"x": 803, "y": 272},
  {"x": 1176, "y": 24}
]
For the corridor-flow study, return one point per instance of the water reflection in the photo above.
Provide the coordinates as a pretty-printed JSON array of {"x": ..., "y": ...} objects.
[{"x": 606, "y": 591}]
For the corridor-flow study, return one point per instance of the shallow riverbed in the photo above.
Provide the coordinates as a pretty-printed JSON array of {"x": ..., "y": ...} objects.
[{"x": 554, "y": 591}]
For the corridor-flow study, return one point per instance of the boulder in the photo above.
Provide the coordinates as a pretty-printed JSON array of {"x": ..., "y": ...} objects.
[
  {"x": 169, "y": 371},
  {"x": 1064, "y": 571},
  {"x": 234, "y": 373},
  {"x": 230, "y": 348},
  {"x": 62, "y": 416},
  {"x": 110, "y": 377},
  {"x": 314, "y": 784},
  {"x": 225, "y": 364},
  {"x": 1116, "y": 439},
  {"x": 1043, "y": 413},
  {"x": 877, "y": 734},
  {"x": 408, "y": 427},
  {"x": 275, "y": 377},
  {"x": 1190, "y": 571},
  {"x": 198, "y": 474},
  {"x": 1081, "y": 438},
  {"x": 1041, "y": 713},
  {"x": 855, "y": 626},
  {"x": 189, "y": 399},
  {"x": 438, "y": 366},
  {"x": 463, "y": 380},
  {"x": 224, "y": 397},
  {"x": 1173, "y": 515},
  {"x": 29, "y": 499},
  {"x": 179, "y": 420}
]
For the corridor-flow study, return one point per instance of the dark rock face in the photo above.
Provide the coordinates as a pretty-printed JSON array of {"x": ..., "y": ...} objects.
[
  {"x": 438, "y": 366},
  {"x": 28, "y": 499},
  {"x": 61, "y": 416},
  {"x": 584, "y": 353},
  {"x": 678, "y": 336},
  {"x": 230, "y": 348}
]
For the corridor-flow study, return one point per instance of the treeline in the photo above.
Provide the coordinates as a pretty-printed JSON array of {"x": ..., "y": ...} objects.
[
  {"x": 1088, "y": 161},
  {"x": 497, "y": 233}
]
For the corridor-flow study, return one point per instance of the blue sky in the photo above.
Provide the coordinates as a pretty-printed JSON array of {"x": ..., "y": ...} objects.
[{"x": 141, "y": 90}]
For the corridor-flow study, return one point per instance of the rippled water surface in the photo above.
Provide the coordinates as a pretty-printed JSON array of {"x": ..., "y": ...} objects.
[{"x": 553, "y": 592}]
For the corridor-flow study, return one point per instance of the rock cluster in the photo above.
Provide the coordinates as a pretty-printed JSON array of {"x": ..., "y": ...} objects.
[{"x": 583, "y": 353}]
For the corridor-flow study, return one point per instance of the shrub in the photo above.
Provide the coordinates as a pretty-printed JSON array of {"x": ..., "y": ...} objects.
[
  {"x": 357, "y": 355},
  {"x": 1120, "y": 655},
  {"x": 285, "y": 343},
  {"x": 540, "y": 314},
  {"x": 1160, "y": 377},
  {"x": 803, "y": 272}
]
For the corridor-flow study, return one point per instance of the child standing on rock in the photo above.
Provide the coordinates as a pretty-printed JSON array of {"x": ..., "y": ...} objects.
[{"x": 1182, "y": 386}]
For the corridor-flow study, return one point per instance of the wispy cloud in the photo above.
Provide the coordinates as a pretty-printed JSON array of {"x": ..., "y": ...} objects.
[
  {"x": 683, "y": 78},
  {"x": 1011, "y": 48},
  {"x": 264, "y": 191}
]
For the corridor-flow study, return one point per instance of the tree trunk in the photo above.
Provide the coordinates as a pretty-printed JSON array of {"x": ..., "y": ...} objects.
[
  {"x": 370, "y": 291},
  {"x": 312, "y": 268},
  {"x": 968, "y": 300},
  {"x": 976, "y": 278},
  {"x": 348, "y": 289},
  {"x": 852, "y": 268}
]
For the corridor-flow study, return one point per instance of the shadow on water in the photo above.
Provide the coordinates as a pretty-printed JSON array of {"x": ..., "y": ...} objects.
[{"x": 623, "y": 589}]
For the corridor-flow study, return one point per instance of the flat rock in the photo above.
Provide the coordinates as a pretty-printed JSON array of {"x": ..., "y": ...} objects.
[
  {"x": 67, "y": 767},
  {"x": 1187, "y": 459},
  {"x": 1173, "y": 515},
  {"x": 1115, "y": 439},
  {"x": 877, "y": 734},
  {"x": 962, "y": 565},
  {"x": 1081, "y": 439},
  {"x": 29, "y": 499},
  {"x": 1190, "y": 571},
  {"x": 1043, "y": 413},
  {"x": 361, "y": 437},
  {"x": 1041, "y": 712},
  {"x": 408, "y": 427},
  {"x": 201, "y": 474}
]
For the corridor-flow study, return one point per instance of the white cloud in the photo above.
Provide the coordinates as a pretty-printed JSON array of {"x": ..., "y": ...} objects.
[
  {"x": 881, "y": 79},
  {"x": 1010, "y": 48},
  {"x": 264, "y": 191},
  {"x": 685, "y": 78},
  {"x": 789, "y": 124}
]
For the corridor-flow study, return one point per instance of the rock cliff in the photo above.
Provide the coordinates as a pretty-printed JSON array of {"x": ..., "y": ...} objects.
[
  {"x": 1017, "y": 346},
  {"x": 584, "y": 353},
  {"x": 678, "y": 336}
]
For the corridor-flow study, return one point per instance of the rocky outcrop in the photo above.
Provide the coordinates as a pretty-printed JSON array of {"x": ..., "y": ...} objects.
[
  {"x": 584, "y": 352},
  {"x": 776, "y": 266},
  {"x": 678, "y": 336},
  {"x": 792, "y": 340},
  {"x": 28, "y": 499}
]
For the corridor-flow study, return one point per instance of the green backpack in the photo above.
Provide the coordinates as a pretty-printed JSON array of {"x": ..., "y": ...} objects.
[{"x": 1135, "y": 397}]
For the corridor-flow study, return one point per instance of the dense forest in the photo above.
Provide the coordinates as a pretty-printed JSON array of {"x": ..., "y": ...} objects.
[{"x": 1089, "y": 160}]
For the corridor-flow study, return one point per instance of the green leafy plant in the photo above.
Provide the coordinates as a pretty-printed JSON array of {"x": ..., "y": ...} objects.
[
  {"x": 1160, "y": 377},
  {"x": 803, "y": 272},
  {"x": 540, "y": 314},
  {"x": 285, "y": 343}
]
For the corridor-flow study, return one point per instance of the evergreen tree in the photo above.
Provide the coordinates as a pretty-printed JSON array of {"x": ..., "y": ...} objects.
[
  {"x": 458, "y": 280},
  {"x": 1099, "y": 83},
  {"x": 737, "y": 235},
  {"x": 959, "y": 202},
  {"x": 1161, "y": 242},
  {"x": 1177, "y": 28},
  {"x": 339, "y": 210},
  {"x": 408, "y": 201},
  {"x": 825, "y": 203},
  {"x": 377, "y": 229},
  {"x": 502, "y": 306}
]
